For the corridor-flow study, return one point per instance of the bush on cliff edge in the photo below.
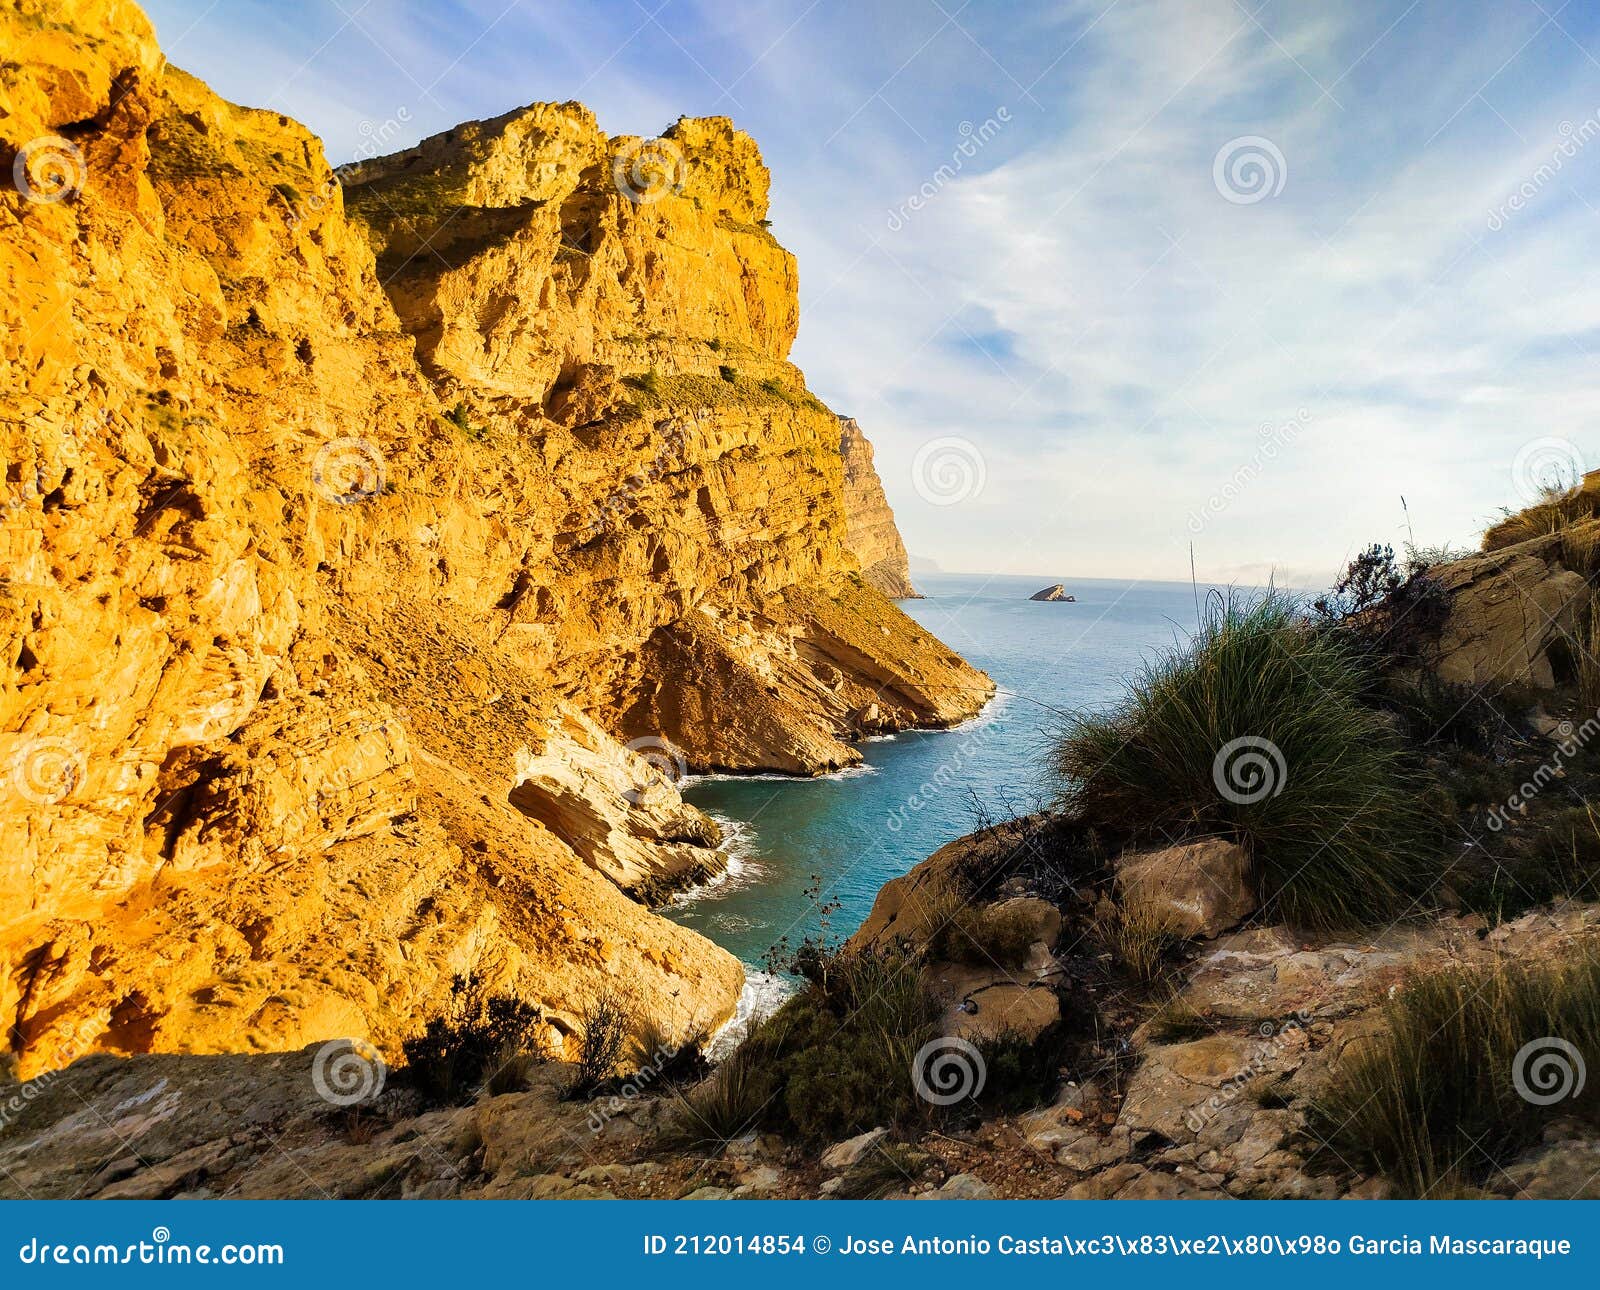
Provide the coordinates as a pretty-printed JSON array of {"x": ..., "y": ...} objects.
[
  {"x": 1471, "y": 1068},
  {"x": 1258, "y": 731}
]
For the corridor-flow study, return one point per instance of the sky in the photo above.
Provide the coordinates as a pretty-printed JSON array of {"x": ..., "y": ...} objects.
[{"x": 1108, "y": 284}]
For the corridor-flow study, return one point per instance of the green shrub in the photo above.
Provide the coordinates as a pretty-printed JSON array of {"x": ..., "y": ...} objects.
[
  {"x": 1441, "y": 1099},
  {"x": 1019, "y": 1072},
  {"x": 607, "y": 1020},
  {"x": 774, "y": 388},
  {"x": 1505, "y": 877},
  {"x": 481, "y": 1041},
  {"x": 645, "y": 383},
  {"x": 1258, "y": 731},
  {"x": 981, "y": 935},
  {"x": 832, "y": 1062},
  {"x": 848, "y": 1061},
  {"x": 728, "y": 373},
  {"x": 462, "y": 421}
]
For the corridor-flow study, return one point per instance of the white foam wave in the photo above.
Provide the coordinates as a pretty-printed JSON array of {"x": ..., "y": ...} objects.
[
  {"x": 719, "y": 776},
  {"x": 742, "y": 867},
  {"x": 763, "y": 994}
]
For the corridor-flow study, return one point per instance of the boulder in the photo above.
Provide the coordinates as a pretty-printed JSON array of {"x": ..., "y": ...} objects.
[
  {"x": 1514, "y": 616},
  {"x": 1197, "y": 888},
  {"x": 1562, "y": 1168},
  {"x": 1056, "y": 592},
  {"x": 842, "y": 1155},
  {"x": 961, "y": 1187}
]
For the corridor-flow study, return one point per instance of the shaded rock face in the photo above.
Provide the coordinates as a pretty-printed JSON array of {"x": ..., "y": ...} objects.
[
  {"x": 1193, "y": 889},
  {"x": 342, "y": 577},
  {"x": 870, "y": 531},
  {"x": 1515, "y": 614}
]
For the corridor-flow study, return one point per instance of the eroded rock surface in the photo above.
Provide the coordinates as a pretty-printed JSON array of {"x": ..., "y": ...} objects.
[
  {"x": 352, "y": 536},
  {"x": 870, "y": 530}
]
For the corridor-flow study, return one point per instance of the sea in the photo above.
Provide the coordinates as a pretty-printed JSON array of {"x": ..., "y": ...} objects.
[{"x": 807, "y": 856}]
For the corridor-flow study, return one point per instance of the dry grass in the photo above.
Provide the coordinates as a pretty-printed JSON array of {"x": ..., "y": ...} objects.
[
  {"x": 1444, "y": 1097},
  {"x": 608, "y": 1020},
  {"x": 980, "y": 935},
  {"x": 1139, "y": 938},
  {"x": 1559, "y": 510}
]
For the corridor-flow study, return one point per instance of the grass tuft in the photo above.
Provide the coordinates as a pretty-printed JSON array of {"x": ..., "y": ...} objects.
[
  {"x": 1318, "y": 787},
  {"x": 1439, "y": 1102}
]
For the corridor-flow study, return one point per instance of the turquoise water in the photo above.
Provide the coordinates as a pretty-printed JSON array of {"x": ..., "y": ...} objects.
[{"x": 858, "y": 829}]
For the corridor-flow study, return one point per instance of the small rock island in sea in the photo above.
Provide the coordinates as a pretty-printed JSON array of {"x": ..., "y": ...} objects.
[{"x": 1057, "y": 592}]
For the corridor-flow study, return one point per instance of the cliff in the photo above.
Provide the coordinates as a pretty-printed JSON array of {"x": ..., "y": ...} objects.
[
  {"x": 372, "y": 575},
  {"x": 870, "y": 529}
]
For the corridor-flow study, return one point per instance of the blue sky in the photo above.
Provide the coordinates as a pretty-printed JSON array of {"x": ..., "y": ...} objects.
[{"x": 1221, "y": 272}]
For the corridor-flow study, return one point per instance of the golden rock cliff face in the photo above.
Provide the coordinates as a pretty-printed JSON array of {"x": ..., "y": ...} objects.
[
  {"x": 329, "y": 608},
  {"x": 870, "y": 530}
]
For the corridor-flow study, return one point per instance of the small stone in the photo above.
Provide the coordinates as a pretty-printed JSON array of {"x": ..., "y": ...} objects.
[{"x": 844, "y": 1154}]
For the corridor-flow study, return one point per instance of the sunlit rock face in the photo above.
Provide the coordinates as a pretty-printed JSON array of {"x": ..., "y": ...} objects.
[
  {"x": 355, "y": 525},
  {"x": 870, "y": 530}
]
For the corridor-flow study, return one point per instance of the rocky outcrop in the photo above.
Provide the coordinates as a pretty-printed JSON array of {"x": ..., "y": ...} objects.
[
  {"x": 1191, "y": 889},
  {"x": 1516, "y": 615},
  {"x": 1224, "y": 1112},
  {"x": 1052, "y": 593},
  {"x": 348, "y": 557},
  {"x": 869, "y": 527}
]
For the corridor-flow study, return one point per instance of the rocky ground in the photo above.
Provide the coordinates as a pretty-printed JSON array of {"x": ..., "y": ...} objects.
[{"x": 1205, "y": 1098}]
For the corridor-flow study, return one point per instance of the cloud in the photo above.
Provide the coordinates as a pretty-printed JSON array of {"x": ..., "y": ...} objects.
[{"x": 1075, "y": 294}]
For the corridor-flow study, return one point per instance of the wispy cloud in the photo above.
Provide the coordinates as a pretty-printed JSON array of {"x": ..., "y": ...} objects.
[{"x": 1077, "y": 297}]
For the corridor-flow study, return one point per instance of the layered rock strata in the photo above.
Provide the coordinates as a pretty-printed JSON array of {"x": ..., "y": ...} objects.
[
  {"x": 870, "y": 530},
  {"x": 371, "y": 576}
]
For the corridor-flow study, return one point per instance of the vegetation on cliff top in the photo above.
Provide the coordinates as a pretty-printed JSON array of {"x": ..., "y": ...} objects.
[
  {"x": 1258, "y": 732},
  {"x": 1472, "y": 1067}
]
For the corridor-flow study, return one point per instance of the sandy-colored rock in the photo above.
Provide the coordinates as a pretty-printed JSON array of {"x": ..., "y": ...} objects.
[
  {"x": 1561, "y": 1168},
  {"x": 961, "y": 1187},
  {"x": 1053, "y": 593},
  {"x": 340, "y": 572},
  {"x": 841, "y": 1155},
  {"x": 1514, "y": 614},
  {"x": 1195, "y": 888},
  {"x": 869, "y": 527}
]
